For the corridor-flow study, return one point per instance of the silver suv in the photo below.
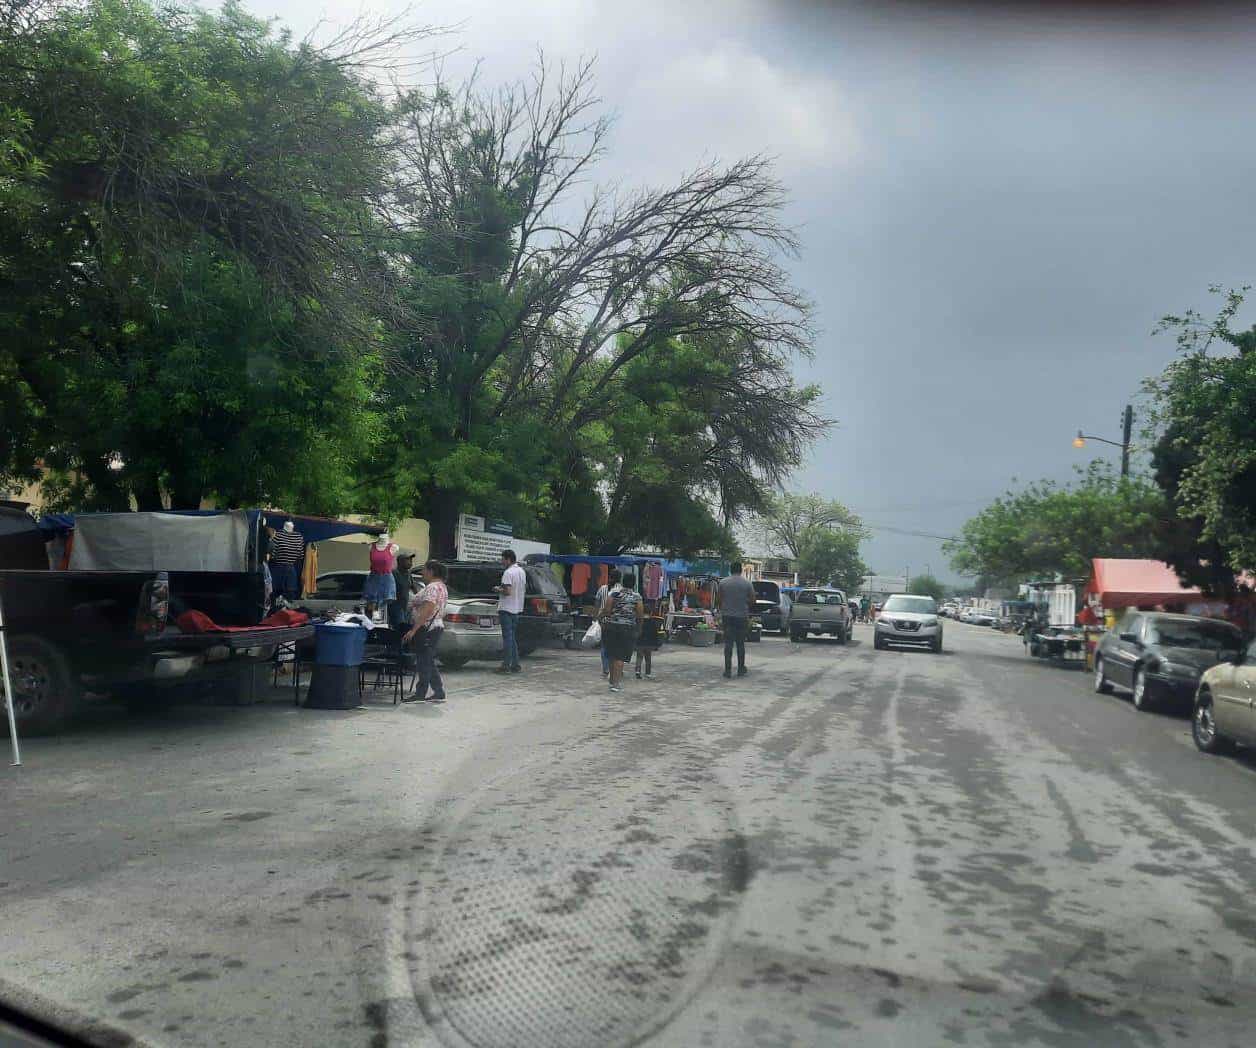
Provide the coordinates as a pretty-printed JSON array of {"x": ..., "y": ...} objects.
[{"x": 908, "y": 619}]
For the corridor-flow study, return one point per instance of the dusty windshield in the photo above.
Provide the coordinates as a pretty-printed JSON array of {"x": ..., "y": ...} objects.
[{"x": 566, "y": 524}]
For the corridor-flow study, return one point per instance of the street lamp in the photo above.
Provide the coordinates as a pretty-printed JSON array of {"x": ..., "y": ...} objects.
[{"x": 1127, "y": 424}]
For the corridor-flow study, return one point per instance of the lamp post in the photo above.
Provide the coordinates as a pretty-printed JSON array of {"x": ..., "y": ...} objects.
[{"x": 1127, "y": 425}]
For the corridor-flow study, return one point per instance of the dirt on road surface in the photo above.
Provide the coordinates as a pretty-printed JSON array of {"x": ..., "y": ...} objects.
[{"x": 846, "y": 847}]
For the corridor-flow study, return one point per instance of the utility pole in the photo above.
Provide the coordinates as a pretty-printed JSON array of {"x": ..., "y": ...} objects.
[{"x": 1127, "y": 425}]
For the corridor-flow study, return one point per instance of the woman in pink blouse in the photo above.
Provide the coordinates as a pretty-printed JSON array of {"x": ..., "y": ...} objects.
[{"x": 428, "y": 626}]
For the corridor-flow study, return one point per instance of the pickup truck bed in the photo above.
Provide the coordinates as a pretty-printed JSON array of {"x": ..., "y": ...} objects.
[{"x": 70, "y": 633}]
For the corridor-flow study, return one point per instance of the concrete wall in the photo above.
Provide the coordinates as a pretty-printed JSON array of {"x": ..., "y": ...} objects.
[{"x": 349, "y": 553}]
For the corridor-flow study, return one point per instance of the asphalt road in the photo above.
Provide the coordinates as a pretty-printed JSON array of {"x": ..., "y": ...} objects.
[{"x": 846, "y": 847}]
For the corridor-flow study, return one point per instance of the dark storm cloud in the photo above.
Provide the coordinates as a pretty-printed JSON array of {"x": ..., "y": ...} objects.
[{"x": 996, "y": 203}]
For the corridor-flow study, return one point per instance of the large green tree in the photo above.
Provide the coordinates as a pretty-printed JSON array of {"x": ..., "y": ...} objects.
[
  {"x": 615, "y": 369},
  {"x": 927, "y": 585},
  {"x": 1048, "y": 528},
  {"x": 1204, "y": 453},
  {"x": 190, "y": 254},
  {"x": 787, "y": 518},
  {"x": 828, "y": 556}
]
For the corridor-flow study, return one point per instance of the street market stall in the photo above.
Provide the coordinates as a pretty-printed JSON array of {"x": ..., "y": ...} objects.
[{"x": 1116, "y": 584}]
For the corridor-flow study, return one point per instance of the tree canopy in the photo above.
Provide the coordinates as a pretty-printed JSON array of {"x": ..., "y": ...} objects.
[
  {"x": 233, "y": 258},
  {"x": 186, "y": 254},
  {"x": 1204, "y": 455},
  {"x": 1048, "y": 528},
  {"x": 787, "y": 518},
  {"x": 926, "y": 585},
  {"x": 831, "y": 557}
]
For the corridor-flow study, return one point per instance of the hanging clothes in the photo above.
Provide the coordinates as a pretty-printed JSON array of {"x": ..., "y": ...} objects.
[
  {"x": 309, "y": 571},
  {"x": 581, "y": 579},
  {"x": 652, "y": 586},
  {"x": 603, "y": 575}
]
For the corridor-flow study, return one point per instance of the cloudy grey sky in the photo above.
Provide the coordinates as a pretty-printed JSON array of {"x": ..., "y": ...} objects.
[{"x": 994, "y": 208}]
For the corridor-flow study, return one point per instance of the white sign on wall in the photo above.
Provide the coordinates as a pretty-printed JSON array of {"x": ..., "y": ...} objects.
[{"x": 483, "y": 538}]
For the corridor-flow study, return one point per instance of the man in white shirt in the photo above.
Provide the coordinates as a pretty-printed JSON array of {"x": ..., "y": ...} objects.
[{"x": 509, "y": 607}]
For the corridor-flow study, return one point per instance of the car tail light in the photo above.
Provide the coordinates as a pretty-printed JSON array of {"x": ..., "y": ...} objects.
[
  {"x": 483, "y": 621},
  {"x": 154, "y": 607},
  {"x": 538, "y": 605}
]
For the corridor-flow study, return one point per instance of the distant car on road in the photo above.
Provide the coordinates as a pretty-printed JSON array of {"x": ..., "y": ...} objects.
[
  {"x": 981, "y": 617},
  {"x": 909, "y": 619},
  {"x": 1224, "y": 713},
  {"x": 1160, "y": 658},
  {"x": 820, "y": 611}
]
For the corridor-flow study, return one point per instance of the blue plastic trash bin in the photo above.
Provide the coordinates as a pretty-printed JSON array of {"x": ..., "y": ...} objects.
[{"x": 339, "y": 644}]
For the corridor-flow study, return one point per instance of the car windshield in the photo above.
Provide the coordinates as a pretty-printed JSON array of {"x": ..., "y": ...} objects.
[
  {"x": 1206, "y": 636},
  {"x": 762, "y": 304},
  {"x": 919, "y": 605}
]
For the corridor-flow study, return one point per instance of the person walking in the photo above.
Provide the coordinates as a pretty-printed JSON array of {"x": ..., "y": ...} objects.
[
  {"x": 736, "y": 597},
  {"x": 509, "y": 607},
  {"x": 427, "y": 629},
  {"x": 865, "y": 608},
  {"x": 648, "y": 642},
  {"x": 612, "y": 581},
  {"x": 622, "y": 613}
]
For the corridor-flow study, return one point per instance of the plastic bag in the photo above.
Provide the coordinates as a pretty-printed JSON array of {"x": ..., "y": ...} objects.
[{"x": 592, "y": 636}]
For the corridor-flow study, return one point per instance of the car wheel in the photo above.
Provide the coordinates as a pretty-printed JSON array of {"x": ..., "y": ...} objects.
[
  {"x": 1102, "y": 684},
  {"x": 936, "y": 646},
  {"x": 843, "y": 635},
  {"x": 1140, "y": 691},
  {"x": 1204, "y": 726},
  {"x": 797, "y": 637},
  {"x": 44, "y": 689},
  {"x": 1035, "y": 649},
  {"x": 878, "y": 643}
]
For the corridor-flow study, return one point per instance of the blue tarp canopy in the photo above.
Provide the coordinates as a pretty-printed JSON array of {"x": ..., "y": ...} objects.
[{"x": 314, "y": 529}]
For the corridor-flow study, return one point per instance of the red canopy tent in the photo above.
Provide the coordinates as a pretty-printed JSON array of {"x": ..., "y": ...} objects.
[{"x": 1131, "y": 583}]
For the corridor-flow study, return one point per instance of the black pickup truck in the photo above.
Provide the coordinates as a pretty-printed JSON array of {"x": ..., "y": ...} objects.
[{"x": 72, "y": 635}]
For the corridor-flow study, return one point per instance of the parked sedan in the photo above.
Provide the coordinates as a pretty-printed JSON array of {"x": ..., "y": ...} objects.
[
  {"x": 1160, "y": 657},
  {"x": 1225, "y": 704},
  {"x": 908, "y": 619}
]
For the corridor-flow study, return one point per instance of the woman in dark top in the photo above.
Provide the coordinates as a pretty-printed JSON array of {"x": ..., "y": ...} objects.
[{"x": 622, "y": 612}]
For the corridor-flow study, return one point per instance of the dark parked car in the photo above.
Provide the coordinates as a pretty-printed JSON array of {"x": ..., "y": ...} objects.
[
  {"x": 546, "y": 614},
  {"x": 1160, "y": 657},
  {"x": 771, "y": 605}
]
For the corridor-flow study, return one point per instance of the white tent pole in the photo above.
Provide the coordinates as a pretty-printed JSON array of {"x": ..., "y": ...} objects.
[{"x": 8, "y": 687}]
